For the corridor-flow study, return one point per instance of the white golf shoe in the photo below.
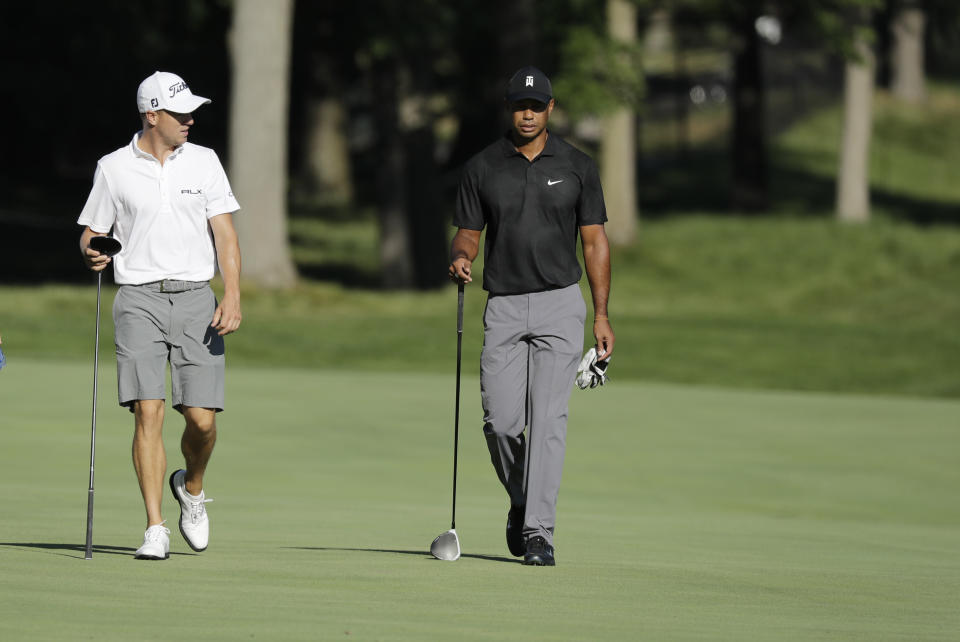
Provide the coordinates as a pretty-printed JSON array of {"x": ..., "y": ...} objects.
[
  {"x": 194, "y": 523},
  {"x": 156, "y": 543}
]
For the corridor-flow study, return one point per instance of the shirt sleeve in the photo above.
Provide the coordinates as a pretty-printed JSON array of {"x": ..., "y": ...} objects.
[
  {"x": 220, "y": 199},
  {"x": 591, "y": 209},
  {"x": 469, "y": 210},
  {"x": 100, "y": 211}
]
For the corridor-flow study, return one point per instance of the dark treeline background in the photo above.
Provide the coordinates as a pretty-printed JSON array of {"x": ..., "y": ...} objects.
[
  {"x": 72, "y": 70},
  {"x": 388, "y": 99}
]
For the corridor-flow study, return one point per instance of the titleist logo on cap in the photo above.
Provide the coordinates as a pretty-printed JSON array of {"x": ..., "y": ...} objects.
[{"x": 176, "y": 88}]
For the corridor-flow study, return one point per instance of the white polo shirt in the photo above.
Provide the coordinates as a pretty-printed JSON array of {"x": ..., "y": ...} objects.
[{"x": 160, "y": 213}]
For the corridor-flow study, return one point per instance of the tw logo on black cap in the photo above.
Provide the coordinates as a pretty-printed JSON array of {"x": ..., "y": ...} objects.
[{"x": 529, "y": 82}]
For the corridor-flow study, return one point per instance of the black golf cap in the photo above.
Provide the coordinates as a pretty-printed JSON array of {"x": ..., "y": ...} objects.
[{"x": 529, "y": 82}]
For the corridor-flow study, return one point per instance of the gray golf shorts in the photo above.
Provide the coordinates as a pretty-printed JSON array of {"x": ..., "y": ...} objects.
[{"x": 168, "y": 321}]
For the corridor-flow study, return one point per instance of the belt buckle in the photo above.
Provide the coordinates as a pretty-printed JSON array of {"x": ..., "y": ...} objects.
[{"x": 162, "y": 281}]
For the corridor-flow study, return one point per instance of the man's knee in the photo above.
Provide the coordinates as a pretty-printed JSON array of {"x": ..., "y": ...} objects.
[
  {"x": 499, "y": 426},
  {"x": 148, "y": 412},
  {"x": 504, "y": 410},
  {"x": 201, "y": 421}
]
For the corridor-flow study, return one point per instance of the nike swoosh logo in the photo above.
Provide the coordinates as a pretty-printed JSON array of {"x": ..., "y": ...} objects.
[{"x": 549, "y": 182}]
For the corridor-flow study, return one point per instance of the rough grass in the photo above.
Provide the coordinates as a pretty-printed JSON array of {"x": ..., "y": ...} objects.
[{"x": 772, "y": 303}]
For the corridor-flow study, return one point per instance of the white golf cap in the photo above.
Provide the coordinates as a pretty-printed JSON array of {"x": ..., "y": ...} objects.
[{"x": 164, "y": 90}]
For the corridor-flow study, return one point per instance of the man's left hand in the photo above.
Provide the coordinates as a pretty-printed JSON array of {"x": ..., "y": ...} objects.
[
  {"x": 226, "y": 318},
  {"x": 603, "y": 333}
]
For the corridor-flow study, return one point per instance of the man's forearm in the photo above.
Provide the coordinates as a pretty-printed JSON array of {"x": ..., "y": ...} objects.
[
  {"x": 229, "y": 261},
  {"x": 228, "y": 252},
  {"x": 596, "y": 258},
  {"x": 463, "y": 246}
]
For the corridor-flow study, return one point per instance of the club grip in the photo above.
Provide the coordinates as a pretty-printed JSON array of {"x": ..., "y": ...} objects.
[{"x": 460, "y": 307}]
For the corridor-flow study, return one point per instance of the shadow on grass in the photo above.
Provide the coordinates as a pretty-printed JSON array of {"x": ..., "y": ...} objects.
[
  {"x": 700, "y": 182},
  {"x": 697, "y": 181},
  {"x": 798, "y": 190},
  {"x": 349, "y": 276},
  {"x": 426, "y": 554},
  {"x": 80, "y": 548}
]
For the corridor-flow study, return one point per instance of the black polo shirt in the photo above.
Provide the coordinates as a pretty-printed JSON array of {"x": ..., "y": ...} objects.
[{"x": 532, "y": 211}]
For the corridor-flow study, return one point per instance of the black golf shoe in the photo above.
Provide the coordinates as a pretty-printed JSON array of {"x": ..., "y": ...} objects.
[
  {"x": 515, "y": 531},
  {"x": 539, "y": 553}
]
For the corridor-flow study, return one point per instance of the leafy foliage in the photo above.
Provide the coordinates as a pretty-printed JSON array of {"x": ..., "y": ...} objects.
[{"x": 598, "y": 73}]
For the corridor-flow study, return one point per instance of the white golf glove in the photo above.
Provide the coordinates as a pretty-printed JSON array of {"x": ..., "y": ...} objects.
[{"x": 591, "y": 371}]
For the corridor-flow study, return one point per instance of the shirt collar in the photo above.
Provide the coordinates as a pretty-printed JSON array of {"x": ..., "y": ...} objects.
[
  {"x": 509, "y": 149},
  {"x": 550, "y": 147},
  {"x": 139, "y": 153}
]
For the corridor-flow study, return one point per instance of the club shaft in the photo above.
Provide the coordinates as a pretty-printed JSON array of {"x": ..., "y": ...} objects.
[
  {"x": 93, "y": 426},
  {"x": 456, "y": 413}
]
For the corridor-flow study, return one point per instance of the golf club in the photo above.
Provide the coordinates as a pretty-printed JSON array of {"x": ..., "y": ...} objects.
[
  {"x": 447, "y": 545},
  {"x": 109, "y": 246}
]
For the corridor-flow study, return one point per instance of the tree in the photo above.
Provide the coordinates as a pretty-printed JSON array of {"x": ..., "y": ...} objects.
[
  {"x": 907, "y": 80},
  {"x": 396, "y": 247},
  {"x": 260, "y": 50},
  {"x": 618, "y": 148},
  {"x": 405, "y": 74},
  {"x": 748, "y": 145},
  {"x": 321, "y": 166},
  {"x": 853, "y": 190},
  {"x": 828, "y": 21},
  {"x": 602, "y": 77},
  {"x": 750, "y": 162}
]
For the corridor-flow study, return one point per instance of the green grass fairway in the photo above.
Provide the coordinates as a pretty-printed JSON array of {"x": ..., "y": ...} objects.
[{"x": 686, "y": 513}]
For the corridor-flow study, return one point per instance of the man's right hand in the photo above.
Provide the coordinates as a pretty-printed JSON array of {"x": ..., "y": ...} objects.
[
  {"x": 93, "y": 259},
  {"x": 460, "y": 270},
  {"x": 463, "y": 249}
]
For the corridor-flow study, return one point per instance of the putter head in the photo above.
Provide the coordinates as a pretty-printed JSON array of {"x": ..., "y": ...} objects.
[
  {"x": 106, "y": 245},
  {"x": 447, "y": 546}
]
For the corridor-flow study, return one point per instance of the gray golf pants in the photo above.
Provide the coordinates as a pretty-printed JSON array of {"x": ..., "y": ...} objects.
[{"x": 531, "y": 348}]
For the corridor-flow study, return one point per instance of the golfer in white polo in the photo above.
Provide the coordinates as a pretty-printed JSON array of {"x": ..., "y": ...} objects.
[{"x": 170, "y": 205}]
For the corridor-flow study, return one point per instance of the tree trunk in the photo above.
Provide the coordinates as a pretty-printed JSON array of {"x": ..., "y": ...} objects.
[
  {"x": 328, "y": 153},
  {"x": 749, "y": 139},
  {"x": 618, "y": 151},
  {"x": 427, "y": 218},
  {"x": 396, "y": 261},
  {"x": 853, "y": 192},
  {"x": 260, "y": 49},
  {"x": 326, "y": 173},
  {"x": 906, "y": 65}
]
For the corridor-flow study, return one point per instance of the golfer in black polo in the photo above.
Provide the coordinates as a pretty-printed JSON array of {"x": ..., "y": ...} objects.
[{"x": 533, "y": 192}]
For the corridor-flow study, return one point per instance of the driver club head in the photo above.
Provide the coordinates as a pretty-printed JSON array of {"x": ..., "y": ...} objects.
[
  {"x": 106, "y": 245},
  {"x": 447, "y": 546}
]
